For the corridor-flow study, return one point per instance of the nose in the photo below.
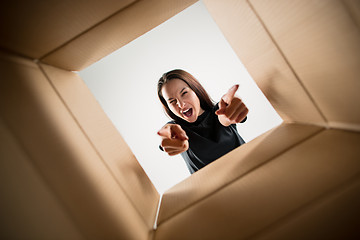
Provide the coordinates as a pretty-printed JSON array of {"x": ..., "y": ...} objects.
[{"x": 180, "y": 103}]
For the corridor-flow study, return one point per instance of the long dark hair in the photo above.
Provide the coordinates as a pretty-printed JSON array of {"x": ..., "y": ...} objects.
[{"x": 205, "y": 101}]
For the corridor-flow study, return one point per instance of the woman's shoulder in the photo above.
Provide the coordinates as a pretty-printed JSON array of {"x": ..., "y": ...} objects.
[
  {"x": 215, "y": 107},
  {"x": 171, "y": 122}
]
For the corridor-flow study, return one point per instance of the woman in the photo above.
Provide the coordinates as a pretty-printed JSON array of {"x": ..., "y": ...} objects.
[{"x": 200, "y": 131}]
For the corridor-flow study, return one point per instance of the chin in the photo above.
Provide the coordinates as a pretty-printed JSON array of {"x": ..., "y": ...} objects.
[{"x": 191, "y": 120}]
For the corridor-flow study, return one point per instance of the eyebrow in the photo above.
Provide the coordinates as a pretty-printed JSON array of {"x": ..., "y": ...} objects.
[{"x": 170, "y": 99}]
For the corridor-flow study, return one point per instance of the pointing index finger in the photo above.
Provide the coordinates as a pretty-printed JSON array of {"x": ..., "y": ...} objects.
[
  {"x": 172, "y": 131},
  {"x": 230, "y": 94},
  {"x": 226, "y": 99},
  {"x": 164, "y": 132}
]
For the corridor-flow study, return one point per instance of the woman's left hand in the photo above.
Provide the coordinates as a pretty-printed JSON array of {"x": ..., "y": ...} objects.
[{"x": 231, "y": 108}]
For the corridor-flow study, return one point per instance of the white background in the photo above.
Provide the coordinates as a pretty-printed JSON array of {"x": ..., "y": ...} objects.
[{"x": 125, "y": 85}]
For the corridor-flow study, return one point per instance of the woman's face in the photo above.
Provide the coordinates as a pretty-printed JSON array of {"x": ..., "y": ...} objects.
[{"x": 182, "y": 100}]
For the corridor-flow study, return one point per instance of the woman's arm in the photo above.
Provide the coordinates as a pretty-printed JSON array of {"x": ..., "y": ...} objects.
[{"x": 231, "y": 108}]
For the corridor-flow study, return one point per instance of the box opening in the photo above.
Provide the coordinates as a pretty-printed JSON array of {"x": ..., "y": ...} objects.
[{"x": 124, "y": 84}]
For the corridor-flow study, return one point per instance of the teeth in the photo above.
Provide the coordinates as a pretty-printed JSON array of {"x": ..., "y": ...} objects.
[{"x": 186, "y": 112}]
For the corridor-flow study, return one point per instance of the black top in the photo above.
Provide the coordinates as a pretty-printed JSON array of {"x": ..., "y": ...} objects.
[{"x": 208, "y": 139}]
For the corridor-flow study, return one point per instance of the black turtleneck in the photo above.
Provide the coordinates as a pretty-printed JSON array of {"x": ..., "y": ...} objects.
[{"x": 208, "y": 139}]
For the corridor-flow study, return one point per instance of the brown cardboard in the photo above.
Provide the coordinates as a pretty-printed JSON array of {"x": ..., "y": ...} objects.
[
  {"x": 106, "y": 140},
  {"x": 27, "y": 202},
  {"x": 264, "y": 61},
  {"x": 115, "y": 32},
  {"x": 297, "y": 181},
  {"x": 330, "y": 217},
  {"x": 353, "y": 7},
  {"x": 308, "y": 173},
  {"x": 330, "y": 71},
  {"x": 64, "y": 156},
  {"x": 249, "y": 157},
  {"x": 35, "y": 29}
]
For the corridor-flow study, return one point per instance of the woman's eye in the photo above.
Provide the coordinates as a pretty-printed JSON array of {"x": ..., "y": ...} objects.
[
  {"x": 184, "y": 93},
  {"x": 172, "y": 102}
]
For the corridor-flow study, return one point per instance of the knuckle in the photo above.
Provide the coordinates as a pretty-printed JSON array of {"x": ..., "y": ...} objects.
[
  {"x": 245, "y": 111},
  {"x": 236, "y": 100},
  {"x": 185, "y": 146}
]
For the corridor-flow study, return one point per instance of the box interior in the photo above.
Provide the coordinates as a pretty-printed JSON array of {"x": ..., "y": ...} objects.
[{"x": 67, "y": 172}]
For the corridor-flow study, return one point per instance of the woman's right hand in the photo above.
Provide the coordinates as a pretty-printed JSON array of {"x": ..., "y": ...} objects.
[{"x": 174, "y": 139}]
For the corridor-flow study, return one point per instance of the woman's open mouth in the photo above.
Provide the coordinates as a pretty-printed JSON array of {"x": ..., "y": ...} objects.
[{"x": 188, "y": 113}]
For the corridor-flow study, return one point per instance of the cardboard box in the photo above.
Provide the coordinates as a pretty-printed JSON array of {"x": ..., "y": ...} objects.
[{"x": 67, "y": 173}]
